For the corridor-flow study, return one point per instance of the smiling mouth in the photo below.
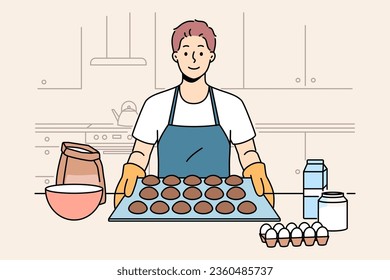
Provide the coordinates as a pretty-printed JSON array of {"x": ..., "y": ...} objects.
[{"x": 196, "y": 68}]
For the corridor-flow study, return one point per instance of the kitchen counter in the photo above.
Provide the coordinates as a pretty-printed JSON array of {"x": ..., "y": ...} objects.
[{"x": 96, "y": 238}]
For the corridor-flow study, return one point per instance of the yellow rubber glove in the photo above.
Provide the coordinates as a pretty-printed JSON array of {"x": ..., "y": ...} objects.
[
  {"x": 260, "y": 181},
  {"x": 131, "y": 172}
]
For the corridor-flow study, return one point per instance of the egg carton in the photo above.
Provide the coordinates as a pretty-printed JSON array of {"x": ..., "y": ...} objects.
[{"x": 296, "y": 235}]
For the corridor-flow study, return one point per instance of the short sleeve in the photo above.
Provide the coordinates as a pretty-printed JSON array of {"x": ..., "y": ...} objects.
[
  {"x": 153, "y": 118},
  {"x": 234, "y": 117},
  {"x": 144, "y": 129}
]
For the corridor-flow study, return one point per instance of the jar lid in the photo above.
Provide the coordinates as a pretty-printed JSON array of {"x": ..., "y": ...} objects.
[{"x": 332, "y": 194}]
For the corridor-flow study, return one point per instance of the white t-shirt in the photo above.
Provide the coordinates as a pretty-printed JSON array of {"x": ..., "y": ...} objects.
[{"x": 232, "y": 114}]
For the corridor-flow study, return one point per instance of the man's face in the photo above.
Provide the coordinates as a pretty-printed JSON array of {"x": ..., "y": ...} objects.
[{"x": 193, "y": 56}]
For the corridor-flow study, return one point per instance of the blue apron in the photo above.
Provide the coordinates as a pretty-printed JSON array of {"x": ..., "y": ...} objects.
[{"x": 193, "y": 150}]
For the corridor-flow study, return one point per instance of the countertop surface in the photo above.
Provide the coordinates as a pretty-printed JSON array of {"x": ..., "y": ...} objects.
[{"x": 99, "y": 239}]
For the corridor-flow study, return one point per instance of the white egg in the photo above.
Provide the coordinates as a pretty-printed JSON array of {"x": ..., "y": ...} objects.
[
  {"x": 284, "y": 233},
  {"x": 264, "y": 228},
  {"x": 309, "y": 232},
  {"x": 303, "y": 226},
  {"x": 316, "y": 225},
  {"x": 296, "y": 232},
  {"x": 291, "y": 226},
  {"x": 271, "y": 233},
  {"x": 322, "y": 232},
  {"x": 278, "y": 227}
]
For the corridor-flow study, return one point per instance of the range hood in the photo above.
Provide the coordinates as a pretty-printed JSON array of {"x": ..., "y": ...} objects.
[{"x": 118, "y": 61}]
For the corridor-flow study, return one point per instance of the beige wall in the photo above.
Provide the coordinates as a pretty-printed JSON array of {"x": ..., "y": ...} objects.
[{"x": 347, "y": 47}]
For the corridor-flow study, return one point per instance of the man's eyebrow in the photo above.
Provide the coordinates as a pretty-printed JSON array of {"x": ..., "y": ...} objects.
[
  {"x": 186, "y": 46},
  {"x": 201, "y": 46}
]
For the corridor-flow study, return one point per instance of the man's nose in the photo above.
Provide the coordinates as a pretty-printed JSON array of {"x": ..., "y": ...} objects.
[{"x": 193, "y": 56}]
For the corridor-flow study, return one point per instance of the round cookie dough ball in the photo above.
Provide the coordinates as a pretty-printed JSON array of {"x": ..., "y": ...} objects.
[
  {"x": 247, "y": 207},
  {"x": 138, "y": 207},
  {"x": 148, "y": 193},
  {"x": 235, "y": 193},
  {"x": 192, "y": 193},
  {"x": 233, "y": 180},
  {"x": 192, "y": 180},
  {"x": 181, "y": 207},
  {"x": 159, "y": 207},
  {"x": 170, "y": 193},
  {"x": 150, "y": 180},
  {"x": 203, "y": 207},
  {"x": 213, "y": 180},
  {"x": 225, "y": 207},
  {"x": 171, "y": 180},
  {"x": 214, "y": 193}
]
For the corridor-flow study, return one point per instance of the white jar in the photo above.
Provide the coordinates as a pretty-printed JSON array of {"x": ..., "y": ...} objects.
[{"x": 333, "y": 211}]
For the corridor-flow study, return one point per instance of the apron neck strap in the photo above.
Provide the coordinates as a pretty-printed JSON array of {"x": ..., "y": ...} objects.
[
  {"x": 173, "y": 108},
  {"x": 215, "y": 113}
]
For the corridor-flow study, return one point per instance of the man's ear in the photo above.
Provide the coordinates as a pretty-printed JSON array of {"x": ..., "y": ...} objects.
[
  {"x": 174, "y": 56},
  {"x": 212, "y": 57}
]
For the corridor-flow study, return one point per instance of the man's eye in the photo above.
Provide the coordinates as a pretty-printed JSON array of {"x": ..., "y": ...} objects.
[
  {"x": 185, "y": 53},
  {"x": 201, "y": 54}
]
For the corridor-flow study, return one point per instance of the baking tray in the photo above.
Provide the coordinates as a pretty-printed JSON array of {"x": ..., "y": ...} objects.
[{"x": 263, "y": 213}]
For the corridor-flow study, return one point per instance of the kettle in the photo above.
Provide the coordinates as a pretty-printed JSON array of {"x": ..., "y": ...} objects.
[{"x": 128, "y": 114}]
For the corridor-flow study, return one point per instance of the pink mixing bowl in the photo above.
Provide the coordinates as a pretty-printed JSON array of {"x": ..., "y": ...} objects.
[{"x": 73, "y": 201}]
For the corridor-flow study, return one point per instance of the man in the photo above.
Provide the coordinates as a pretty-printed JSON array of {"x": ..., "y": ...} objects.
[{"x": 194, "y": 124}]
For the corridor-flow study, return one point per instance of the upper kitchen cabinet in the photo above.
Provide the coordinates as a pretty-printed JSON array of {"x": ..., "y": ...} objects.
[
  {"x": 60, "y": 58},
  {"x": 329, "y": 52},
  {"x": 263, "y": 52},
  {"x": 273, "y": 54},
  {"x": 301, "y": 55}
]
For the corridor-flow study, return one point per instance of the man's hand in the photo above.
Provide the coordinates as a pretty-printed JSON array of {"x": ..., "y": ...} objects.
[
  {"x": 260, "y": 181},
  {"x": 131, "y": 172}
]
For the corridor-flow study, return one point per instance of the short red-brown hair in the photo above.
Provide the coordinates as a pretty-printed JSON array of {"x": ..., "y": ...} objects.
[{"x": 193, "y": 28}]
